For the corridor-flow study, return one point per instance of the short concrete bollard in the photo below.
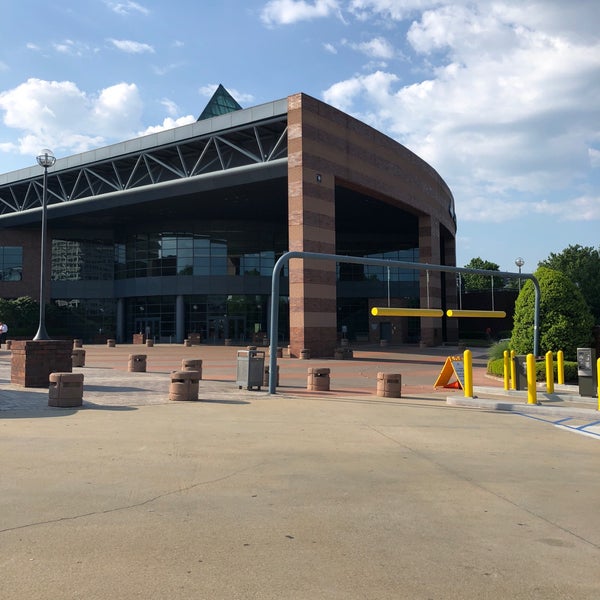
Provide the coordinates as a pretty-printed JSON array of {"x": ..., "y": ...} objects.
[
  {"x": 266, "y": 376},
  {"x": 187, "y": 343},
  {"x": 137, "y": 363},
  {"x": 111, "y": 343},
  {"x": 78, "y": 357},
  {"x": 77, "y": 343},
  {"x": 389, "y": 385},
  {"x": 65, "y": 390},
  {"x": 149, "y": 343},
  {"x": 343, "y": 354},
  {"x": 305, "y": 354},
  {"x": 318, "y": 380},
  {"x": 192, "y": 364},
  {"x": 184, "y": 385}
]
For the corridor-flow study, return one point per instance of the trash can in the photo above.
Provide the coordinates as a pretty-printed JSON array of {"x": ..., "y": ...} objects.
[
  {"x": 65, "y": 390},
  {"x": 587, "y": 372},
  {"x": 250, "y": 368},
  {"x": 184, "y": 386},
  {"x": 520, "y": 372},
  {"x": 78, "y": 357},
  {"x": 318, "y": 379},
  {"x": 192, "y": 364},
  {"x": 389, "y": 385},
  {"x": 137, "y": 363}
]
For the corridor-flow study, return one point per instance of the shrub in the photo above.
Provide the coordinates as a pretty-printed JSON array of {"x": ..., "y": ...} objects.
[
  {"x": 565, "y": 320},
  {"x": 496, "y": 367}
]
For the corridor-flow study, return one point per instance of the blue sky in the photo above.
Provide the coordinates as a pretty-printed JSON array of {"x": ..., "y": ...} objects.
[{"x": 502, "y": 97}]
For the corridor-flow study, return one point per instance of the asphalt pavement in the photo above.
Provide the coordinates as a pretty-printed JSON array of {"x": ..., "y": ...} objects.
[{"x": 293, "y": 495}]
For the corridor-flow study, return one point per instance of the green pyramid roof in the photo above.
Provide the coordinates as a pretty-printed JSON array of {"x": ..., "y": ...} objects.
[{"x": 222, "y": 102}]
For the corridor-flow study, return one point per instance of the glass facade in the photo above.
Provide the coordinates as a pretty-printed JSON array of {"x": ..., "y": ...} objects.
[
  {"x": 81, "y": 260},
  {"x": 177, "y": 253},
  {"x": 11, "y": 263}
]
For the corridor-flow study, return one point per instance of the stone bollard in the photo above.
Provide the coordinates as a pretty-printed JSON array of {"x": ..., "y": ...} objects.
[
  {"x": 187, "y": 343},
  {"x": 111, "y": 343},
  {"x": 149, "y": 343},
  {"x": 137, "y": 363},
  {"x": 266, "y": 376},
  {"x": 305, "y": 354},
  {"x": 65, "y": 390},
  {"x": 184, "y": 385},
  {"x": 8, "y": 344},
  {"x": 78, "y": 357},
  {"x": 77, "y": 343},
  {"x": 192, "y": 364},
  {"x": 343, "y": 354},
  {"x": 389, "y": 385},
  {"x": 318, "y": 380}
]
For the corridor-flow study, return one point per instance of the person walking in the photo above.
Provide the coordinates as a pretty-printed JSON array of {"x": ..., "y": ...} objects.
[{"x": 3, "y": 332}]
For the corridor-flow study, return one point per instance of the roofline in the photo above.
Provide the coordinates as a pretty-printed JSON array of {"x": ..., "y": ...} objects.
[{"x": 154, "y": 140}]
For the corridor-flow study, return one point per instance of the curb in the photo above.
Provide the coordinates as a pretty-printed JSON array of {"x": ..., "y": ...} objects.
[{"x": 533, "y": 409}]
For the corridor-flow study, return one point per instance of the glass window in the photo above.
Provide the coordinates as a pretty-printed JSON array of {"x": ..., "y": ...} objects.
[{"x": 11, "y": 263}]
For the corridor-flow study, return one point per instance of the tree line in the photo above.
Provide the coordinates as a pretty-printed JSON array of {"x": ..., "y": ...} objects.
[{"x": 570, "y": 299}]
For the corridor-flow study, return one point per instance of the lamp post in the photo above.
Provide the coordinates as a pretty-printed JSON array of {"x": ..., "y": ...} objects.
[
  {"x": 519, "y": 262},
  {"x": 46, "y": 159}
]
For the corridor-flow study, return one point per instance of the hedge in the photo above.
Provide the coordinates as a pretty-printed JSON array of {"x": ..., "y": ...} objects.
[{"x": 496, "y": 367}]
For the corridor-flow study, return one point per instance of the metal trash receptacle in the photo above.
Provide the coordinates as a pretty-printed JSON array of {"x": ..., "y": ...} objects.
[
  {"x": 587, "y": 372},
  {"x": 520, "y": 372},
  {"x": 250, "y": 368}
]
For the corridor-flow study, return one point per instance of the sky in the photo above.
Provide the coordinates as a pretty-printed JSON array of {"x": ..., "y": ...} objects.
[{"x": 501, "y": 97}]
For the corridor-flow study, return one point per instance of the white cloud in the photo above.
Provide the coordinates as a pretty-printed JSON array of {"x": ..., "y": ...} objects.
[
  {"x": 509, "y": 108},
  {"x": 168, "y": 123},
  {"x": 131, "y": 47},
  {"x": 377, "y": 47},
  {"x": 71, "y": 47},
  {"x": 286, "y": 12},
  {"x": 127, "y": 7},
  {"x": 58, "y": 115},
  {"x": 330, "y": 48}
]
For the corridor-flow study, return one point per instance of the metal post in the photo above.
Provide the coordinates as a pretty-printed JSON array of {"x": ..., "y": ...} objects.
[{"x": 45, "y": 159}]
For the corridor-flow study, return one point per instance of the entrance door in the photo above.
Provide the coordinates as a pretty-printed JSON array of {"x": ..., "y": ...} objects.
[{"x": 149, "y": 326}]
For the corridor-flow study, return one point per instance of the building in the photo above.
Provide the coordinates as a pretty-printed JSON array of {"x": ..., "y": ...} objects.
[{"x": 177, "y": 232}]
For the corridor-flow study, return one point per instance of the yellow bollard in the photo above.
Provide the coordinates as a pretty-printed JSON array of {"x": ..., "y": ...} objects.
[
  {"x": 531, "y": 389},
  {"x": 549, "y": 373},
  {"x": 560, "y": 367},
  {"x": 506, "y": 370},
  {"x": 468, "y": 369},
  {"x": 513, "y": 371}
]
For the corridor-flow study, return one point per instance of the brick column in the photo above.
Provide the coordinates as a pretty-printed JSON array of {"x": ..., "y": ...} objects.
[
  {"x": 311, "y": 214},
  {"x": 32, "y": 361},
  {"x": 429, "y": 252}
]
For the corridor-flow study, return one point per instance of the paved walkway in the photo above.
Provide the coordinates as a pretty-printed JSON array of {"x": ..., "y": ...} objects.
[{"x": 298, "y": 495}]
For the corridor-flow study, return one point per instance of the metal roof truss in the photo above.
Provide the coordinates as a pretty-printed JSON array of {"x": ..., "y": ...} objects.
[{"x": 247, "y": 145}]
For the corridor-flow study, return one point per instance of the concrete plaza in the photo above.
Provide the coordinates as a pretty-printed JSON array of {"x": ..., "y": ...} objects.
[{"x": 340, "y": 494}]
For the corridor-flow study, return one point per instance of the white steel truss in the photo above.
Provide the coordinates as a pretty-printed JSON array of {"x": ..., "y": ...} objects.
[{"x": 253, "y": 143}]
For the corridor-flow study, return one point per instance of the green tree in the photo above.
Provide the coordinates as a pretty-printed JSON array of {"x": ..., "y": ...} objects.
[
  {"x": 565, "y": 319},
  {"x": 581, "y": 264},
  {"x": 474, "y": 282}
]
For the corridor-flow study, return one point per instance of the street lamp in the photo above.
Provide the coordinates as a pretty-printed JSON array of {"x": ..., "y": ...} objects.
[
  {"x": 46, "y": 159},
  {"x": 519, "y": 262}
]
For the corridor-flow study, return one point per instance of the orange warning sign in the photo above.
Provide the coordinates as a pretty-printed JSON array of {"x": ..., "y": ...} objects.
[{"x": 453, "y": 368}]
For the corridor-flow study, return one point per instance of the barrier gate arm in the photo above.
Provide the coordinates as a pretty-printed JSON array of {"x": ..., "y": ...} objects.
[{"x": 340, "y": 258}]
